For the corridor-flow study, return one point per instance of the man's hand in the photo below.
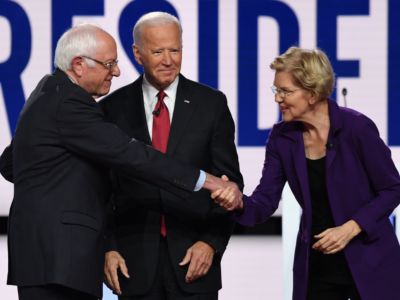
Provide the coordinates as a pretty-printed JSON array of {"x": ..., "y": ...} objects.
[
  {"x": 214, "y": 183},
  {"x": 229, "y": 197},
  {"x": 224, "y": 192},
  {"x": 333, "y": 240},
  {"x": 200, "y": 257},
  {"x": 113, "y": 262}
]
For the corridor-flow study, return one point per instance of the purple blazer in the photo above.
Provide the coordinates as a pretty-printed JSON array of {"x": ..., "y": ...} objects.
[{"x": 362, "y": 183}]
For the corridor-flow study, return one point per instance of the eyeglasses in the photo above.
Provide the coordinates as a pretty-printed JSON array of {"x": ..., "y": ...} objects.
[
  {"x": 282, "y": 92},
  {"x": 108, "y": 65}
]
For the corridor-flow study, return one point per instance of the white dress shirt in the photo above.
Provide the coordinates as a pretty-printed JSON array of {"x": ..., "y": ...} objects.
[{"x": 150, "y": 100}]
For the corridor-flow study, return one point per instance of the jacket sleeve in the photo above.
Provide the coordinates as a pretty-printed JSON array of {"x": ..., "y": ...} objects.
[
  {"x": 84, "y": 132},
  {"x": 264, "y": 200},
  {"x": 383, "y": 176},
  {"x": 110, "y": 241},
  {"x": 6, "y": 163},
  {"x": 219, "y": 225}
]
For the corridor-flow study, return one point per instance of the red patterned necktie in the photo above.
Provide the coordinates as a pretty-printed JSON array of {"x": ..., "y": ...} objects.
[{"x": 161, "y": 126}]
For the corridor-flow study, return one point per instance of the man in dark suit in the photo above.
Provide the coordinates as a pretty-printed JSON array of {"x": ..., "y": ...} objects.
[
  {"x": 60, "y": 156},
  {"x": 173, "y": 251}
]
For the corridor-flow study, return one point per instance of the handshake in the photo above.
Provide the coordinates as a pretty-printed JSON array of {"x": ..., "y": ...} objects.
[{"x": 224, "y": 192}]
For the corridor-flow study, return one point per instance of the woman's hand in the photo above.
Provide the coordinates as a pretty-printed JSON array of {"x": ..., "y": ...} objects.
[
  {"x": 230, "y": 198},
  {"x": 333, "y": 240}
]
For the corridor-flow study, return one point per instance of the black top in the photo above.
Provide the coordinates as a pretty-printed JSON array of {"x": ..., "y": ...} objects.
[{"x": 333, "y": 267}]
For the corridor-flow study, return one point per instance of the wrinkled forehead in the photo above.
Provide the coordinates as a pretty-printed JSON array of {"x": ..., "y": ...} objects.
[{"x": 160, "y": 31}]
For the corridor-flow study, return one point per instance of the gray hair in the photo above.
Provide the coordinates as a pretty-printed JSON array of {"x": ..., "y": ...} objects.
[
  {"x": 151, "y": 19},
  {"x": 77, "y": 41}
]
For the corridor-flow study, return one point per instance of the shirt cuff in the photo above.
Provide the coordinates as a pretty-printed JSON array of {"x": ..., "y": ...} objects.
[{"x": 200, "y": 181}]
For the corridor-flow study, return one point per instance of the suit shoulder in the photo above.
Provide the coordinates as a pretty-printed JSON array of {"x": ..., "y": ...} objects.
[
  {"x": 119, "y": 95},
  {"x": 203, "y": 89},
  {"x": 285, "y": 128},
  {"x": 355, "y": 119},
  {"x": 58, "y": 86}
]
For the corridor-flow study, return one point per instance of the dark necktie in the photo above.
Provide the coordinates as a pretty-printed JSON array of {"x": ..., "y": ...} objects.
[{"x": 161, "y": 126}]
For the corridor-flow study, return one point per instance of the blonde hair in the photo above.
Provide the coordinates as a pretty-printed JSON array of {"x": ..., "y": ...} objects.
[{"x": 311, "y": 70}]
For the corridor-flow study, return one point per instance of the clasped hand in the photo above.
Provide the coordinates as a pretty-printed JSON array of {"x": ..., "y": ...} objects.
[
  {"x": 224, "y": 192},
  {"x": 333, "y": 240}
]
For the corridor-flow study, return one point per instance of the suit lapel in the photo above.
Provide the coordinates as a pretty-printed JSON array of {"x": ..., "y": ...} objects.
[
  {"x": 330, "y": 151},
  {"x": 135, "y": 114},
  {"x": 336, "y": 124},
  {"x": 298, "y": 157},
  {"x": 185, "y": 105}
]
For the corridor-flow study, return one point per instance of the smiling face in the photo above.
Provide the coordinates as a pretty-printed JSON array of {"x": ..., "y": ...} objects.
[
  {"x": 160, "y": 53},
  {"x": 297, "y": 103}
]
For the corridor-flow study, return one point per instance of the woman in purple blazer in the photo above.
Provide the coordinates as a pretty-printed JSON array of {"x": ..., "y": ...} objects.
[{"x": 343, "y": 177}]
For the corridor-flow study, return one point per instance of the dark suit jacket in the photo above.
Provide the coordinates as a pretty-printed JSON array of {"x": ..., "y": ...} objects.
[
  {"x": 60, "y": 154},
  {"x": 362, "y": 183},
  {"x": 202, "y": 134}
]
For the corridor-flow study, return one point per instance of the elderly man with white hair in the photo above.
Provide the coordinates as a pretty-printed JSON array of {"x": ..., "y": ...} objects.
[{"x": 59, "y": 161}]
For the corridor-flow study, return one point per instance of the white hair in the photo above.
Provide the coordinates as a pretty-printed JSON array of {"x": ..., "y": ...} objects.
[
  {"x": 77, "y": 41},
  {"x": 151, "y": 19}
]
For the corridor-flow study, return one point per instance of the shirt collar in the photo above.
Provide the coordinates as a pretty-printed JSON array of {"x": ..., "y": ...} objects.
[{"x": 152, "y": 92}]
